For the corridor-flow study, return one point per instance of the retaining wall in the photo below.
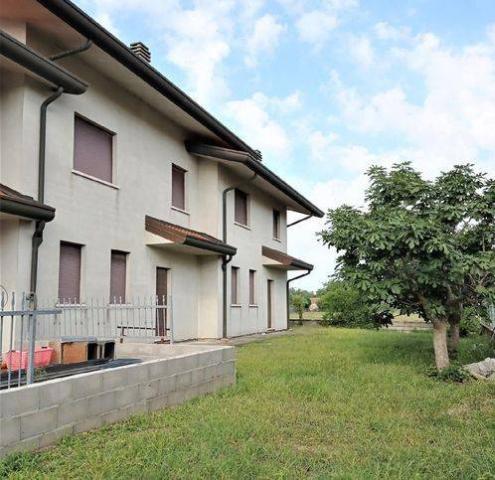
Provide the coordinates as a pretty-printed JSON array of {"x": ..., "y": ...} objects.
[{"x": 38, "y": 415}]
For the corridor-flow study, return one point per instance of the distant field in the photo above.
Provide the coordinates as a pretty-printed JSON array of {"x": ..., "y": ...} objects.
[
  {"x": 307, "y": 316},
  {"x": 318, "y": 316}
]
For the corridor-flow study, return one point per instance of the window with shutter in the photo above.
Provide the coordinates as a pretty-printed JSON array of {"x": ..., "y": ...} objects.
[
  {"x": 93, "y": 150},
  {"x": 241, "y": 207},
  {"x": 118, "y": 266},
  {"x": 178, "y": 187},
  {"x": 252, "y": 286},
  {"x": 69, "y": 279},
  {"x": 276, "y": 224},
  {"x": 235, "y": 286}
]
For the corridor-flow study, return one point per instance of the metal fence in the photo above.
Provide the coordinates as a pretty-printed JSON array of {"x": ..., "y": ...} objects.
[
  {"x": 19, "y": 317},
  {"x": 28, "y": 322},
  {"x": 138, "y": 317}
]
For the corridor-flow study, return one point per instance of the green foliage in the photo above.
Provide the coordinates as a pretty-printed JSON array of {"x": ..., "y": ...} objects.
[
  {"x": 298, "y": 301},
  {"x": 471, "y": 320},
  {"x": 303, "y": 293},
  {"x": 343, "y": 305},
  {"x": 480, "y": 348},
  {"x": 423, "y": 247},
  {"x": 17, "y": 462},
  {"x": 454, "y": 373}
]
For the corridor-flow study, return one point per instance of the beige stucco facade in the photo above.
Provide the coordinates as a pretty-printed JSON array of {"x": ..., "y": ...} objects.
[{"x": 103, "y": 216}]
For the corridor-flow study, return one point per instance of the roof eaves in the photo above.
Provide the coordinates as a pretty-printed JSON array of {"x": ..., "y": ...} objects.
[
  {"x": 257, "y": 167},
  {"x": 16, "y": 203},
  {"x": 189, "y": 237},
  {"x": 89, "y": 28}
]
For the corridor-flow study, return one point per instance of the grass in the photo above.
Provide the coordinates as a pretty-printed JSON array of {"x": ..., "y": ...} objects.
[{"x": 322, "y": 403}]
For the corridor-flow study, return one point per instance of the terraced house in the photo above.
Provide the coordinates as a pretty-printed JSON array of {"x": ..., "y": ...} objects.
[{"x": 117, "y": 186}]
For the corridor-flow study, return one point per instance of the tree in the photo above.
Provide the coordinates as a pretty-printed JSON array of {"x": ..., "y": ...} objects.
[
  {"x": 299, "y": 301},
  {"x": 425, "y": 247}
]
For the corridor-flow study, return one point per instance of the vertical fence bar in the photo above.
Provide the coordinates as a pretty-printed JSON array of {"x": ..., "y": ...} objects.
[
  {"x": 21, "y": 339},
  {"x": 31, "y": 345},
  {"x": 11, "y": 343},
  {"x": 171, "y": 316}
]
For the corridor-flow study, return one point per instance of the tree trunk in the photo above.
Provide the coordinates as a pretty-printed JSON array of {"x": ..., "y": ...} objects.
[
  {"x": 440, "y": 344},
  {"x": 454, "y": 337}
]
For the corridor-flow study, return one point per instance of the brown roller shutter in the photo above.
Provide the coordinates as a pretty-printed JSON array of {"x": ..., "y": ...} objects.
[
  {"x": 234, "y": 285},
  {"x": 276, "y": 224},
  {"x": 178, "y": 187},
  {"x": 118, "y": 276},
  {"x": 92, "y": 150},
  {"x": 241, "y": 210},
  {"x": 252, "y": 285},
  {"x": 69, "y": 280}
]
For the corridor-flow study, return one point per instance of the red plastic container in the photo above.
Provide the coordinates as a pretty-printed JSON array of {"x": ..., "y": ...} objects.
[{"x": 16, "y": 359}]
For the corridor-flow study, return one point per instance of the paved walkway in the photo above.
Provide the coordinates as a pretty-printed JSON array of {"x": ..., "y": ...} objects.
[{"x": 235, "y": 341}]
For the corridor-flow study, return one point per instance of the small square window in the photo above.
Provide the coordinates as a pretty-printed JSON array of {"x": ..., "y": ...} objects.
[{"x": 178, "y": 187}]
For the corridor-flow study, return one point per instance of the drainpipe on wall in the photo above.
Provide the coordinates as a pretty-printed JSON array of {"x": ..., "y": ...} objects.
[
  {"x": 40, "y": 224},
  {"x": 287, "y": 293},
  {"x": 227, "y": 258},
  {"x": 37, "y": 239}
]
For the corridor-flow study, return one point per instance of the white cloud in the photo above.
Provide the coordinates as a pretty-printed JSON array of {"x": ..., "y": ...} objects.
[
  {"x": 106, "y": 21},
  {"x": 385, "y": 31},
  {"x": 302, "y": 237},
  {"x": 264, "y": 38},
  {"x": 284, "y": 105},
  {"x": 255, "y": 123},
  {"x": 361, "y": 50},
  {"x": 455, "y": 120},
  {"x": 316, "y": 26}
]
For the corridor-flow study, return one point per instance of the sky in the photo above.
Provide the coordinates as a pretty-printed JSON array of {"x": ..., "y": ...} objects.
[{"x": 325, "y": 89}]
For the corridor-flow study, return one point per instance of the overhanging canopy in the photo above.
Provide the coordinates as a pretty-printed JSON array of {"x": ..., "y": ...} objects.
[
  {"x": 164, "y": 234},
  {"x": 276, "y": 259}
]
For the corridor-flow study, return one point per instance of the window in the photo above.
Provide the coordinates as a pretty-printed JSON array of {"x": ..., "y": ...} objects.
[
  {"x": 118, "y": 266},
  {"x": 276, "y": 224},
  {"x": 69, "y": 278},
  {"x": 234, "y": 281},
  {"x": 178, "y": 187},
  {"x": 252, "y": 285},
  {"x": 93, "y": 147},
  {"x": 241, "y": 207}
]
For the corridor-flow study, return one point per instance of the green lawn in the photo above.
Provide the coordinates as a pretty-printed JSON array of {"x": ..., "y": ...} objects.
[{"x": 322, "y": 403}]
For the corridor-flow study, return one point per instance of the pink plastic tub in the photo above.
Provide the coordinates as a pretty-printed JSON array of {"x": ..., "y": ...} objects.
[{"x": 16, "y": 359}]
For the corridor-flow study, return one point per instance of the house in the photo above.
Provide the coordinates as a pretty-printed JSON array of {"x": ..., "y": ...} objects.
[{"x": 116, "y": 185}]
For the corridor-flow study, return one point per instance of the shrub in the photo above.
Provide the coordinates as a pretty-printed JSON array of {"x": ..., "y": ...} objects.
[
  {"x": 471, "y": 321},
  {"x": 343, "y": 305},
  {"x": 454, "y": 373}
]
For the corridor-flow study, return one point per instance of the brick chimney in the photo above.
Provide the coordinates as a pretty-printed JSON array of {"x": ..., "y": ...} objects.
[{"x": 141, "y": 50}]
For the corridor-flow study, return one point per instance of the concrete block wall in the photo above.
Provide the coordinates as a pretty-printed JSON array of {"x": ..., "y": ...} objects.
[{"x": 38, "y": 415}]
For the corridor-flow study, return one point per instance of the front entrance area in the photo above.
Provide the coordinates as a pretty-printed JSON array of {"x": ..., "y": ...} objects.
[
  {"x": 269, "y": 292},
  {"x": 161, "y": 294}
]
